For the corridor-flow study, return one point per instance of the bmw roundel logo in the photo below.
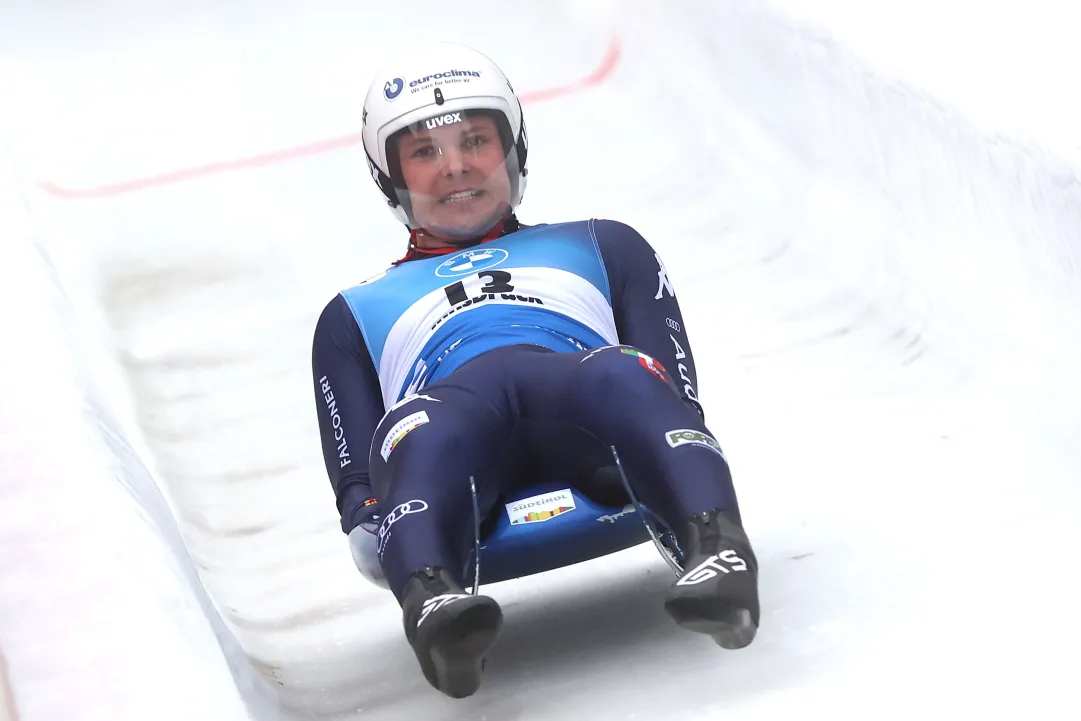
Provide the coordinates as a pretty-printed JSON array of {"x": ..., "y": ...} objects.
[
  {"x": 471, "y": 261},
  {"x": 393, "y": 88}
]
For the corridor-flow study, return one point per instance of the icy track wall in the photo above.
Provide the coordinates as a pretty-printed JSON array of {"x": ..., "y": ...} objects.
[
  {"x": 983, "y": 209},
  {"x": 991, "y": 227},
  {"x": 102, "y": 613}
]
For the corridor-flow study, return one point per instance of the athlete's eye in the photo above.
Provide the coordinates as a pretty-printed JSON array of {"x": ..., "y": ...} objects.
[
  {"x": 423, "y": 151},
  {"x": 474, "y": 141}
]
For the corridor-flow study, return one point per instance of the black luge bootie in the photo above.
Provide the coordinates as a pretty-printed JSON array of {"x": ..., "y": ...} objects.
[
  {"x": 450, "y": 630},
  {"x": 718, "y": 592}
]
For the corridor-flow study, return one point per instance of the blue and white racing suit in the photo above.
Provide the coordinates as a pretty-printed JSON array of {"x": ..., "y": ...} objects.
[{"x": 529, "y": 353}]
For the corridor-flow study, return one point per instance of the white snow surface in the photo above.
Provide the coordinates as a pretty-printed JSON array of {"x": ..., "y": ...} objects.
[{"x": 871, "y": 216}]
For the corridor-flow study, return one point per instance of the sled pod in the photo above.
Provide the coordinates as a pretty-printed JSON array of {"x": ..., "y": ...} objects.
[{"x": 552, "y": 525}]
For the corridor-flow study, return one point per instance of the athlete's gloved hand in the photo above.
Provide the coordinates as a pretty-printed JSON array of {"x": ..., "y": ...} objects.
[{"x": 364, "y": 544}]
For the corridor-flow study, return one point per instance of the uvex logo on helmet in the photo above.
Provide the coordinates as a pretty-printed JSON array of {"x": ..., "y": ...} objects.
[{"x": 447, "y": 119}]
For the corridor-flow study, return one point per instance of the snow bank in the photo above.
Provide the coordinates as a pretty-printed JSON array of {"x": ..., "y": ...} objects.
[
  {"x": 981, "y": 201},
  {"x": 985, "y": 255},
  {"x": 102, "y": 615}
]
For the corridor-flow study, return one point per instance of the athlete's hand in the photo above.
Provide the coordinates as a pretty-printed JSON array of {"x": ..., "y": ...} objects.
[{"x": 364, "y": 544}]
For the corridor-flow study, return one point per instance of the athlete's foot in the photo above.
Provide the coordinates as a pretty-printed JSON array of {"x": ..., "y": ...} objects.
[
  {"x": 450, "y": 630},
  {"x": 718, "y": 592}
]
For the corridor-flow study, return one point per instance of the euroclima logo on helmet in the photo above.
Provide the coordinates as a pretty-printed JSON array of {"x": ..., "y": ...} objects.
[
  {"x": 444, "y": 78},
  {"x": 393, "y": 88}
]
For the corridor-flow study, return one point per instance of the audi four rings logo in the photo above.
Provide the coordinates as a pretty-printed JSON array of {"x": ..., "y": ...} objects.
[
  {"x": 399, "y": 513},
  {"x": 393, "y": 88}
]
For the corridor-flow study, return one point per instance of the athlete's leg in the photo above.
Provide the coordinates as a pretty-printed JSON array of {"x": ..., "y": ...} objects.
[
  {"x": 422, "y": 457},
  {"x": 426, "y": 449},
  {"x": 627, "y": 400}
]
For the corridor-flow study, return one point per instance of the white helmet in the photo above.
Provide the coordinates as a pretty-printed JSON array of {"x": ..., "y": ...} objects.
[{"x": 425, "y": 86}]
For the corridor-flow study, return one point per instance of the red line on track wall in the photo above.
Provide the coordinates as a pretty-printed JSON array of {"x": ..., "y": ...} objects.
[{"x": 601, "y": 73}]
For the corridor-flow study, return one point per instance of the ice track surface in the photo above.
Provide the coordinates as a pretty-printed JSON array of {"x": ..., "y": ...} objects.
[{"x": 882, "y": 297}]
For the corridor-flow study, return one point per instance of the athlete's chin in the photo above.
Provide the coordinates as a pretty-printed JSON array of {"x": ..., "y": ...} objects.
[{"x": 460, "y": 223}]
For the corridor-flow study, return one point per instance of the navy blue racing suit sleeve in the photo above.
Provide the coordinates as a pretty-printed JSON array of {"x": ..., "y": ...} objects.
[
  {"x": 646, "y": 310},
  {"x": 350, "y": 405}
]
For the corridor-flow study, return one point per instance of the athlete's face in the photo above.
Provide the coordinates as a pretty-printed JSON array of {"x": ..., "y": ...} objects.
[{"x": 456, "y": 176}]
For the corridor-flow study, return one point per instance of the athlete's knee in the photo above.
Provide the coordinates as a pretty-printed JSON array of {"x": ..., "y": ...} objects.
[
  {"x": 442, "y": 438},
  {"x": 401, "y": 420},
  {"x": 614, "y": 367}
]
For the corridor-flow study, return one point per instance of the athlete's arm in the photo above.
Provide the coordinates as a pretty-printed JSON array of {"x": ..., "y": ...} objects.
[
  {"x": 350, "y": 405},
  {"x": 646, "y": 311}
]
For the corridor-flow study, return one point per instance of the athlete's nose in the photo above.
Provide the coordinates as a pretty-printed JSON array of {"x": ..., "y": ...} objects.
[{"x": 454, "y": 161}]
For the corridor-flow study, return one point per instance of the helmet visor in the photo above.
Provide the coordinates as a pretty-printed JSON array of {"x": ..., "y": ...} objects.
[{"x": 455, "y": 174}]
